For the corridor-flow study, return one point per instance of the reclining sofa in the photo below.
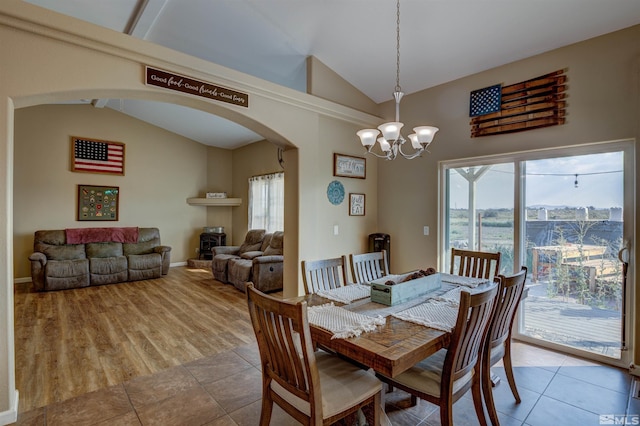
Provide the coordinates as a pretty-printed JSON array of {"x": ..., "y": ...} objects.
[
  {"x": 264, "y": 270},
  {"x": 258, "y": 259},
  {"x": 82, "y": 257}
]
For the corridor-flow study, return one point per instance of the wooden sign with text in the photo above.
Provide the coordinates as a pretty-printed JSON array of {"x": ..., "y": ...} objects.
[{"x": 179, "y": 83}]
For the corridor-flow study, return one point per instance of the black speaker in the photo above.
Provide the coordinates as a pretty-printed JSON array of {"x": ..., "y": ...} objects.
[{"x": 379, "y": 242}]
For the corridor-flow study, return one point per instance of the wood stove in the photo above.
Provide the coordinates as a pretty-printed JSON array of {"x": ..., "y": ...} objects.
[{"x": 208, "y": 240}]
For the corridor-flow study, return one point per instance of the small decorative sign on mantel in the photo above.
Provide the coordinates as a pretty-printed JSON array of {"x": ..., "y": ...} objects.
[
  {"x": 180, "y": 83},
  {"x": 216, "y": 195}
]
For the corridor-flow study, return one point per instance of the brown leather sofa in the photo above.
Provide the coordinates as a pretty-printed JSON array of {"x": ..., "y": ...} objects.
[{"x": 104, "y": 258}]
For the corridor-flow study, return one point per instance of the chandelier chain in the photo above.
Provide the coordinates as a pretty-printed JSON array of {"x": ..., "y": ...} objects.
[
  {"x": 398, "y": 89},
  {"x": 391, "y": 142}
]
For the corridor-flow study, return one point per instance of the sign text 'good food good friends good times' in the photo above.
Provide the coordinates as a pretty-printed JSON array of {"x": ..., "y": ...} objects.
[{"x": 179, "y": 83}]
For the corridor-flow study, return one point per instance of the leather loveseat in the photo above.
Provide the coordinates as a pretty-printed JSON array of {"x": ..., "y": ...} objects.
[
  {"x": 252, "y": 244},
  {"x": 264, "y": 270},
  {"x": 74, "y": 258}
]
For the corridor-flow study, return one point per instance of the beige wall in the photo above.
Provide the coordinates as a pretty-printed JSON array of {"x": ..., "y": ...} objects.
[
  {"x": 162, "y": 170},
  {"x": 323, "y": 82},
  {"x": 602, "y": 106},
  {"x": 353, "y": 230},
  {"x": 261, "y": 158},
  {"x": 251, "y": 160},
  {"x": 219, "y": 179}
]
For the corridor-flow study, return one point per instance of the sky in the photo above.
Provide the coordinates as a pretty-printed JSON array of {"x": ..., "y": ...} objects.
[{"x": 549, "y": 182}]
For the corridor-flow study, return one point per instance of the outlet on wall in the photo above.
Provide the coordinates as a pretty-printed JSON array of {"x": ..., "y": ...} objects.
[{"x": 425, "y": 230}]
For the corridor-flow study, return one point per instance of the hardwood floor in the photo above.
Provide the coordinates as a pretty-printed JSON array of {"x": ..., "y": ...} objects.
[
  {"x": 181, "y": 351},
  {"x": 72, "y": 342}
]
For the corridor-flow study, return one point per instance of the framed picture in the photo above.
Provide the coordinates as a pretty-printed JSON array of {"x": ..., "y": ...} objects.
[
  {"x": 97, "y": 156},
  {"x": 349, "y": 166},
  {"x": 356, "y": 204},
  {"x": 98, "y": 203}
]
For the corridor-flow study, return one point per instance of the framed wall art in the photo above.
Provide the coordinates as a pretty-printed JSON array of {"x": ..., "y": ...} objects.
[
  {"x": 356, "y": 204},
  {"x": 97, "y": 156},
  {"x": 349, "y": 166},
  {"x": 98, "y": 203}
]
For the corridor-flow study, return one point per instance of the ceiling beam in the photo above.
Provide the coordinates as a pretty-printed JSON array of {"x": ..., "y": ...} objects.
[{"x": 144, "y": 15}]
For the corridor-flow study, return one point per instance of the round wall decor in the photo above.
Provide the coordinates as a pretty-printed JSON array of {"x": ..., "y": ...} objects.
[{"x": 335, "y": 192}]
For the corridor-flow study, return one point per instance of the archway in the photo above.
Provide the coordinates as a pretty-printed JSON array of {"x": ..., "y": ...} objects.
[{"x": 21, "y": 231}]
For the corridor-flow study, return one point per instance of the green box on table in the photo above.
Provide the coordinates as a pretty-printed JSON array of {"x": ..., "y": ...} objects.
[{"x": 403, "y": 291}]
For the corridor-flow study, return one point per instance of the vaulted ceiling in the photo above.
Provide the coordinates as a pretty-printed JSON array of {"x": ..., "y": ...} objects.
[{"x": 441, "y": 40}]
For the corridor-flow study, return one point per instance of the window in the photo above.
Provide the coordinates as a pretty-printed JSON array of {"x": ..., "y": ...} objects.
[{"x": 266, "y": 202}]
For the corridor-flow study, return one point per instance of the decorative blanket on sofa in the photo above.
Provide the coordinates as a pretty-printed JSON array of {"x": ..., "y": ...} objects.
[{"x": 97, "y": 235}]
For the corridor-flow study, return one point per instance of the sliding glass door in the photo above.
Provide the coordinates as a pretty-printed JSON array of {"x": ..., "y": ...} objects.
[
  {"x": 573, "y": 236},
  {"x": 562, "y": 215},
  {"x": 480, "y": 213}
]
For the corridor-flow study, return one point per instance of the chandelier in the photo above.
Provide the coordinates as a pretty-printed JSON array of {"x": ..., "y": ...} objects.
[{"x": 391, "y": 140}]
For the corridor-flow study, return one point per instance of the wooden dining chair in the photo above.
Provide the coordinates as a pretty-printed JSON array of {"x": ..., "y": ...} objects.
[
  {"x": 324, "y": 274},
  {"x": 447, "y": 375},
  {"x": 366, "y": 267},
  {"x": 498, "y": 345},
  {"x": 475, "y": 264},
  {"x": 315, "y": 388}
]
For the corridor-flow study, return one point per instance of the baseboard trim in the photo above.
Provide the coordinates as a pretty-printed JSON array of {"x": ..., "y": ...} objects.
[{"x": 11, "y": 415}]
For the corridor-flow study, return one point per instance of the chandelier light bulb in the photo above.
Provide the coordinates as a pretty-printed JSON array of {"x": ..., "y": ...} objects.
[
  {"x": 391, "y": 131},
  {"x": 368, "y": 136},
  {"x": 414, "y": 141},
  {"x": 384, "y": 145},
  {"x": 425, "y": 133}
]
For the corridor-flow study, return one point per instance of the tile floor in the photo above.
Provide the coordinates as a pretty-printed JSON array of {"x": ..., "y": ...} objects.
[{"x": 225, "y": 389}]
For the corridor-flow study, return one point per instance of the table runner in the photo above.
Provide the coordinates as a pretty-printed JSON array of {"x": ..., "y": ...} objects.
[
  {"x": 438, "y": 314},
  {"x": 463, "y": 281},
  {"x": 373, "y": 309},
  {"x": 342, "y": 323},
  {"x": 361, "y": 314},
  {"x": 453, "y": 295},
  {"x": 346, "y": 294}
]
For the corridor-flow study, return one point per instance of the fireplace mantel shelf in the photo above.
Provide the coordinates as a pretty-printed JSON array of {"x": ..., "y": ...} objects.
[{"x": 213, "y": 202}]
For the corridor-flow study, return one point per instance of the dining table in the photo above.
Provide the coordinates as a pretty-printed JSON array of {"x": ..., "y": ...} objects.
[{"x": 392, "y": 345}]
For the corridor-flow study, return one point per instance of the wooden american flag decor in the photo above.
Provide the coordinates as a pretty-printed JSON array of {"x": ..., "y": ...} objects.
[
  {"x": 97, "y": 156},
  {"x": 532, "y": 104}
]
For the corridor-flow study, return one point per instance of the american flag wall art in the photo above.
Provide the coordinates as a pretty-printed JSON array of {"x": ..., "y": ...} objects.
[
  {"x": 531, "y": 104},
  {"x": 97, "y": 156}
]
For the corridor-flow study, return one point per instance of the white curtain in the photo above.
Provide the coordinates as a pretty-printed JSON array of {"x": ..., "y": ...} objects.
[{"x": 266, "y": 202}]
